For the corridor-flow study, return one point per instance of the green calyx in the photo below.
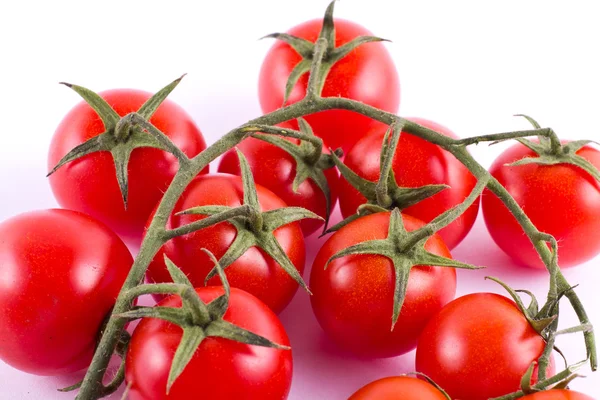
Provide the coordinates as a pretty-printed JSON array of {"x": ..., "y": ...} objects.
[
  {"x": 405, "y": 250},
  {"x": 197, "y": 319},
  {"x": 385, "y": 194},
  {"x": 310, "y": 160},
  {"x": 255, "y": 228},
  {"x": 307, "y": 50},
  {"x": 550, "y": 151},
  {"x": 545, "y": 322},
  {"x": 122, "y": 135}
]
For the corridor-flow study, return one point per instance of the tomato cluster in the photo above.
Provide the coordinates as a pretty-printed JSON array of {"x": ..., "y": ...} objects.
[{"x": 222, "y": 253}]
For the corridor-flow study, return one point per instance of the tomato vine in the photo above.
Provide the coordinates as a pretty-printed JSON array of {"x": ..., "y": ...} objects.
[{"x": 157, "y": 234}]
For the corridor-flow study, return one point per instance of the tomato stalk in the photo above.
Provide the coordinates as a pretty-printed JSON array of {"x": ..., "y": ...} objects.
[{"x": 321, "y": 60}]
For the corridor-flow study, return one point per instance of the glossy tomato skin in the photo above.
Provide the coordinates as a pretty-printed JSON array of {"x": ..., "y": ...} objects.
[
  {"x": 90, "y": 185},
  {"x": 255, "y": 271},
  {"x": 275, "y": 169},
  {"x": 416, "y": 163},
  {"x": 220, "y": 368},
  {"x": 62, "y": 272},
  {"x": 562, "y": 200},
  {"x": 398, "y": 388},
  {"x": 367, "y": 74},
  {"x": 353, "y": 298},
  {"x": 478, "y": 347},
  {"x": 557, "y": 394}
]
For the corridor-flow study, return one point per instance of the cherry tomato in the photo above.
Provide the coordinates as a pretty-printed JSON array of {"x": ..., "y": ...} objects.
[
  {"x": 275, "y": 169},
  {"x": 255, "y": 271},
  {"x": 416, "y": 163},
  {"x": 60, "y": 273},
  {"x": 366, "y": 74},
  {"x": 353, "y": 298},
  {"x": 398, "y": 388},
  {"x": 89, "y": 184},
  {"x": 557, "y": 394},
  {"x": 221, "y": 368},
  {"x": 562, "y": 200},
  {"x": 479, "y": 347}
]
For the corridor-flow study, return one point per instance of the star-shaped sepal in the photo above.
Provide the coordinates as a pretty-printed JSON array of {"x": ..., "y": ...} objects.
[
  {"x": 385, "y": 194},
  {"x": 405, "y": 250},
  {"x": 310, "y": 160},
  {"x": 550, "y": 151},
  {"x": 122, "y": 135},
  {"x": 197, "y": 319},
  {"x": 545, "y": 322},
  {"x": 255, "y": 228},
  {"x": 306, "y": 49}
]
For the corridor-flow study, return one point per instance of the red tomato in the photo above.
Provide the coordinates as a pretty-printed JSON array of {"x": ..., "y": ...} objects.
[
  {"x": 478, "y": 347},
  {"x": 220, "y": 368},
  {"x": 89, "y": 184},
  {"x": 557, "y": 394},
  {"x": 353, "y": 298},
  {"x": 60, "y": 273},
  {"x": 367, "y": 74},
  {"x": 255, "y": 271},
  {"x": 562, "y": 200},
  {"x": 398, "y": 388},
  {"x": 416, "y": 163},
  {"x": 275, "y": 169}
]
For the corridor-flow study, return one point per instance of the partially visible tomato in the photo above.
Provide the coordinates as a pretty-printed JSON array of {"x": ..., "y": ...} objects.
[
  {"x": 221, "y": 368},
  {"x": 478, "y": 347},
  {"x": 353, "y": 298},
  {"x": 562, "y": 200},
  {"x": 275, "y": 169},
  {"x": 367, "y": 74},
  {"x": 398, "y": 388},
  {"x": 255, "y": 271},
  {"x": 60, "y": 274},
  {"x": 416, "y": 163},
  {"x": 89, "y": 184},
  {"x": 557, "y": 394}
]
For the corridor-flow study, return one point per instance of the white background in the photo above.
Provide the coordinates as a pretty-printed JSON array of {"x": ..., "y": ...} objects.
[{"x": 469, "y": 65}]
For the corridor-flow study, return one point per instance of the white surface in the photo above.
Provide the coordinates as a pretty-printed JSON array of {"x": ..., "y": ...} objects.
[{"x": 469, "y": 65}]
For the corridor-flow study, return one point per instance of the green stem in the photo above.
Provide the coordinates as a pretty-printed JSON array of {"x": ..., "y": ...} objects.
[
  {"x": 276, "y": 130},
  {"x": 316, "y": 79},
  {"x": 496, "y": 137},
  {"x": 157, "y": 235}
]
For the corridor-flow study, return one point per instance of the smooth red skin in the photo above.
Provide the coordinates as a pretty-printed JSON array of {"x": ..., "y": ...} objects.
[
  {"x": 90, "y": 185},
  {"x": 478, "y": 347},
  {"x": 398, "y": 388},
  {"x": 557, "y": 394},
  {"x": 562, "y": 200},
  {"x": 255, "y": 271},
  {"x": 353, "y": 298},
  {"x": 367, "y": 75},
  {"x": 416, "y": 163},
  {"x": 60, "y": 273},
  {"x": 220, "y": 369},
  {"x": 275, "y": 169}
]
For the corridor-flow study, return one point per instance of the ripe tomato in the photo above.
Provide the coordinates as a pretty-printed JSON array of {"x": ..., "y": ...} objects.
[
  {"x": 557, "y": 394},
  {"x": 60, "y": 273},
  {"x": 353, "y": 298},
  {"x": 478, "y": 347},
  {"x": 416, "y": 163},
  {"x": 220, "y": 368},
  {"x": 398, "y": 388},
  {"x": 89, "y": 184},
  {"x": 275, "y": 169},
  {"x": 562, "y": 200},
  {"x": 366, "y": 74},
  {"x": 255, "y": 271}
]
